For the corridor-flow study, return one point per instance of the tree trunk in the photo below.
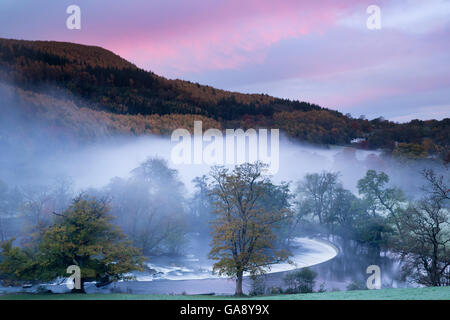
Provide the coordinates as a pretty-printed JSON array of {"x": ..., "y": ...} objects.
[
  {"x": 238, "y": 291},
  {"x": 435, "y": 276}
]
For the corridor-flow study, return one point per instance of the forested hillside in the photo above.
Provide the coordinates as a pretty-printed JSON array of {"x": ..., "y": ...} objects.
[{"x": 96, "y": 86}]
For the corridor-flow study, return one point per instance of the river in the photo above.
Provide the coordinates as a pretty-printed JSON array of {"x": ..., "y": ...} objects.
[{"x": 192, "y": 274}]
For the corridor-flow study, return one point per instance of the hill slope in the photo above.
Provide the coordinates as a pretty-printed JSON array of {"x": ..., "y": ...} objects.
[
  {"x": 103, "y": 85},
  {"x": 111, "y": 83}
]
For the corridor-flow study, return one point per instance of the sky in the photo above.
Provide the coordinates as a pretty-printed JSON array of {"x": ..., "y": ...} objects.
[{"x": 320, "y": 51}]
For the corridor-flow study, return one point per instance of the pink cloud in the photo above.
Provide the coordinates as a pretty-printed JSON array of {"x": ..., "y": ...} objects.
[
  {"x": 319, "y": 51},
  {"x": 218, "y": 35},
  {"x": 176, "y": 36}
]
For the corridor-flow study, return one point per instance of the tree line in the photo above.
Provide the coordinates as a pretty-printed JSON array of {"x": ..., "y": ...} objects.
[{"x": 248, "y": 219}]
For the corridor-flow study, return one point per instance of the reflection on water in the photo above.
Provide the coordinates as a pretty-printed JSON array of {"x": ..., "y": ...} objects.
[{"x": 351, "y": 264}]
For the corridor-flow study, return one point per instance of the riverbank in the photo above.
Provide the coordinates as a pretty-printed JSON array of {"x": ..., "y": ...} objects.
[{"x": 431, "y": 293}]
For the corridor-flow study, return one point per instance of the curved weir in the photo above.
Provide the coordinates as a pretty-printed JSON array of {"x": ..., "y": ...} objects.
[{"x": 306, "y": 252}]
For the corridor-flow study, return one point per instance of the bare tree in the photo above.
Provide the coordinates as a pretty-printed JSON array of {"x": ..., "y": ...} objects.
[
  {"x": 425, "y": 246},
  {"x": 41, "y": 200}
]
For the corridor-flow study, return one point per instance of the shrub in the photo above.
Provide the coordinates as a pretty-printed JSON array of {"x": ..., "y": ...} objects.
[
  {"x": 356, "y": 285},
  {"x": 300, "y": 281}
]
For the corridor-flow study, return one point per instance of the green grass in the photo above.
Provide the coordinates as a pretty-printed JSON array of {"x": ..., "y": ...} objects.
[{"x": 433, "y": 293}]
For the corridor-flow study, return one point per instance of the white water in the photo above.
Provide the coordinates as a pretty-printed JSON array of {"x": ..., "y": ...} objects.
[{"x": 305, "y": 253}]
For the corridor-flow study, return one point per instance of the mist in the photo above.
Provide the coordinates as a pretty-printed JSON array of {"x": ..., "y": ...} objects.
[
  {"x": 35, "y": 149},
  {"x": 40, "y": 157},
  {"x": 94, "y": 165}
]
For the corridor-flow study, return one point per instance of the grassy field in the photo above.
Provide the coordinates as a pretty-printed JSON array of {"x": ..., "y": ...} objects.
[{"x": 435, "y": 293}]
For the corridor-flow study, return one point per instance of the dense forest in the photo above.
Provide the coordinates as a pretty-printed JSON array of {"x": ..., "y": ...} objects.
[{"x": 79, "y": 89}]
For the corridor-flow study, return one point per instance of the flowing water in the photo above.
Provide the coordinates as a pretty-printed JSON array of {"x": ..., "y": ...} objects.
[{"x": 192, "y": 273}]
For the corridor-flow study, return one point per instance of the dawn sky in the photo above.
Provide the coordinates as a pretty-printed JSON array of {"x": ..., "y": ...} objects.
[{"x": 316, "y": 51}]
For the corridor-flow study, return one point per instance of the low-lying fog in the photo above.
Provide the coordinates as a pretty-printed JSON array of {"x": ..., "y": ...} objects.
[
  {"x": 30, "y": 153},
  {"x": 96, "y": 164}
]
